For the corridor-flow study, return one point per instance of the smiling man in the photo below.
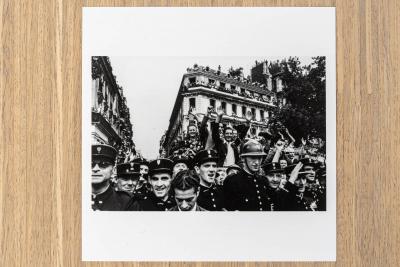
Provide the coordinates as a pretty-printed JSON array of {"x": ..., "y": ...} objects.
[
  {"x": 160, "y": 177},
  {"x": 104, "y": 197},
  {"x": 211, "y": 195},
  {"x": 279, "y": 196},
  {"x": 127, "y": 177},
  {"x": 185, "y": 188}
]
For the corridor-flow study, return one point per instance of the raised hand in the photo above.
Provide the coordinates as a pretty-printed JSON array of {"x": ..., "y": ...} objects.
[
  {"x": 303, "y": 141},
  {"x": 191, "y": 114},
  {"x": 210, "y": 110},
  {"x": 279, "y": 145},
  {"x": 295, "y": 172},
  {"x": 249, "y": 115},
  {"x": 220, "y": 111}
]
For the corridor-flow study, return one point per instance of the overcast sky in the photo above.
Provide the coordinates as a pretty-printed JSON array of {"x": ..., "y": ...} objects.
[{"x": 151, "y": 85}]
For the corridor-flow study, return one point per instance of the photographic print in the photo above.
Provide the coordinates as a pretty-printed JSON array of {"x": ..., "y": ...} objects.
[
  {"x": 210, "y": 138},
  {"x": 215, "y": 125}
]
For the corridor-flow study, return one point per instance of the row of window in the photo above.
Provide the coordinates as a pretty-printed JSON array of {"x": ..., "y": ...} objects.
[
  {"x": 192, "y": 105},
  {"x": 231, "y": 89}
]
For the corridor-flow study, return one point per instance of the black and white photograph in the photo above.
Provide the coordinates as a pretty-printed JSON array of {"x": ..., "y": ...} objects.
[
  {"x": 166, "y": 137},
  {"x": 215, "y": 125}
]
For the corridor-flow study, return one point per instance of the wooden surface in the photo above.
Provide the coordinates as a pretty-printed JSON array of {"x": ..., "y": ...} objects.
[{"x": 40, "y": 134}]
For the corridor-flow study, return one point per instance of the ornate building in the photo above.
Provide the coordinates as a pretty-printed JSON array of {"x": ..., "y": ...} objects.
[
  {"x": 202, "y": 87},
  {"x": 110, "y": 114}
]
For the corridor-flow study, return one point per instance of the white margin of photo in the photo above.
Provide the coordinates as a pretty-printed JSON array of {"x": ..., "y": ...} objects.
[{"x": 219, "y": 236}]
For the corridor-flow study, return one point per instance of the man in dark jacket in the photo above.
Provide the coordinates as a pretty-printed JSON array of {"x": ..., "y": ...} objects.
[
  {"x": 227, "y": 147},
  {"x": 104, "y": 197},
  {"x": 247, "y": 190},
  {"x": 211, "y": 195},
  {"x": 185, "y": 188},
  {"x": 160, "y": 176},
  {"x": 279, "y": 196},
  {"x": 300, "y": 198},
  {"x": 127, "y": 177}
]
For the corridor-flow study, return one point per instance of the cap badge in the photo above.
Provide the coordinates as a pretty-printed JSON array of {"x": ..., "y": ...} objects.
[
  {"x": 158, "y": 162},
  {"x": 98, "y": 149},
  {"x": 209, "y": 153}
]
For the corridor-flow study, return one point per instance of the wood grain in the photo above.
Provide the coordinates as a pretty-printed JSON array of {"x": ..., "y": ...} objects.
[{"x": 40, "y": 134}]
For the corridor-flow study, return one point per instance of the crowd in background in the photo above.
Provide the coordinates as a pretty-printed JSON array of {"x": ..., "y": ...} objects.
[{"x": 217, "y": 166}]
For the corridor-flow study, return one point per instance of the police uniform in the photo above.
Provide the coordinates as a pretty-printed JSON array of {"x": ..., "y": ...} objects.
[
  {"x": 210, "y": 198},
  {"x": 299, "y": 201},
  {"x": 314, "y": 193},
  {"x": 151, "y": 202},
  {"x": 109, "y": 200},
  {"x": 244, "y": 191},
  {"x": 129, "y": 170},
  {"x": 279, "y": 196}
]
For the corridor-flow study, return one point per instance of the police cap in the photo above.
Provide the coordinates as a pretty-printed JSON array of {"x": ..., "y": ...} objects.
[
  {"x": 160, "y": 166},
  {"x": 308, "y": 162},
  {"x": 128, "y": 169},
  {"x": 273, "y": 167},
  {"x": 181, "y": 159},
  {"x": 205, "y": 156},
  {"x": 141, "y": 161},
  {"x": 101, "y": 151}
]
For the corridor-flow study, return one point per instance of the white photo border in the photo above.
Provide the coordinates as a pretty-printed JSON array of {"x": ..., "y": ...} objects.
[{"x": 212, "y": 236}]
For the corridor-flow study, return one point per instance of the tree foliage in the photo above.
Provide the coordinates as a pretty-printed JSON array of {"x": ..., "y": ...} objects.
[{"x": 304, "y": 90}]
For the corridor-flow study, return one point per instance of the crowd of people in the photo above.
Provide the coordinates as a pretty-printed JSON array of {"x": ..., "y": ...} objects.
[{"x": 216, "y": 167}]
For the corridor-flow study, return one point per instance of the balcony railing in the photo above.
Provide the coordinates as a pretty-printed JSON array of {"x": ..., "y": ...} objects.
[{"x": 229, "y": 91}]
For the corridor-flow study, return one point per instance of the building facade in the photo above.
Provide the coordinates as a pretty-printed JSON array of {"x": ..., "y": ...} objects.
[
  {"x": 110, "y": 114},
  {"x": 202, "y": 87}
]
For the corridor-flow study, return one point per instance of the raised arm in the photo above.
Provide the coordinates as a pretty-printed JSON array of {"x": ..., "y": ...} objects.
[{"x": 203, "y": 126}]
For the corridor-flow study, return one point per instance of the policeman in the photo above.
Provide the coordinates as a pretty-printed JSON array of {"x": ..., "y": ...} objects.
[
  {"x": 127, "y": 177},
  {"x": 300, "y": 200},
  {"x": 185, "y": 188},
  {"x": 247, "y": 190},
  {"x": 211, "y": 195},
  {"x": 314, "y": 191},
  {"x": 279, "y": 196},
  {"x": 180, "y": 163},
  {"x": 159, "y": 199},
  {"x": 104, "y": 197}
]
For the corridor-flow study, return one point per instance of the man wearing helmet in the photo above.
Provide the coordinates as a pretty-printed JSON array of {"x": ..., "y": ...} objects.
[{"x": 247, "y": 190}]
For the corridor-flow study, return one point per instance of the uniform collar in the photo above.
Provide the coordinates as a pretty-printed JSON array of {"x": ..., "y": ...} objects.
[{"x": 103, "y": 195}]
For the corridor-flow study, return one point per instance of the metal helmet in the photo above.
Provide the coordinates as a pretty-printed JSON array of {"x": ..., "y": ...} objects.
[{"x": 252, "y": 148}]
